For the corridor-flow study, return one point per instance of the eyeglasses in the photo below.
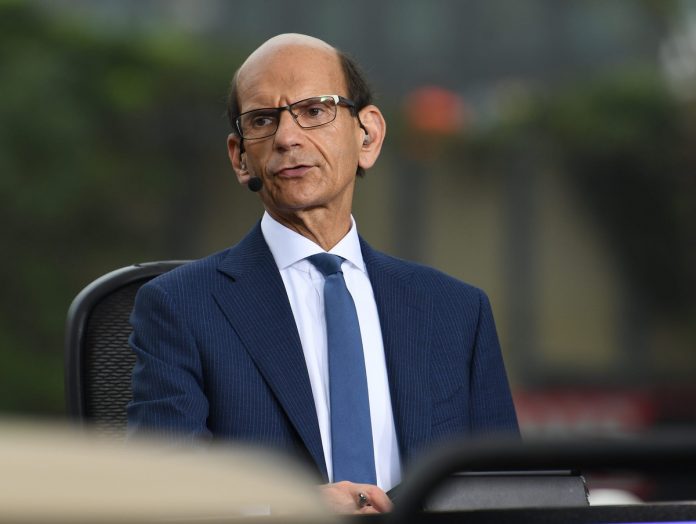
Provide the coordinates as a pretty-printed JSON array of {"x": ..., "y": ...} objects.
[{"x": 311, "y": 112}]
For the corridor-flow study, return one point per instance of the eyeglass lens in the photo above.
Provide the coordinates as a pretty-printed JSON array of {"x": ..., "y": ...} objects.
[{"x": 311, "y": 112}]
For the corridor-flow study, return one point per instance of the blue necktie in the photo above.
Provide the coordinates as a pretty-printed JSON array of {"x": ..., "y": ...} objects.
[{"x": 352, "y": 453}]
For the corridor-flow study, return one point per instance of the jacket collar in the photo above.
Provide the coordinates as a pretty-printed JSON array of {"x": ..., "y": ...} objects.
[{"x": 257, "y": 306}]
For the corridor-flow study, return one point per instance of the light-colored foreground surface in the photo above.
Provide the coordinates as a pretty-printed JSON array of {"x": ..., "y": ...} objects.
[{"x": 52, "y": 473}]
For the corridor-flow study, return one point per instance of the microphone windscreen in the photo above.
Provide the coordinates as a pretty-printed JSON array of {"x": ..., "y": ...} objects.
[{"x": 255, "y": 184}]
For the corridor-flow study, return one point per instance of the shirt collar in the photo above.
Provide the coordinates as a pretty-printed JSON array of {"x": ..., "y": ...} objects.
[{"x": 289, "y": 247}]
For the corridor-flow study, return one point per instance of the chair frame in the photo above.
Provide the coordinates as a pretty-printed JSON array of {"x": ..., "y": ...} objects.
[{"x": 78, "y": 317}]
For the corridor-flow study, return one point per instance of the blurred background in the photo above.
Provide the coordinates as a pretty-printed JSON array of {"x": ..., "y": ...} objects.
[{"x": 541, "y": 150}]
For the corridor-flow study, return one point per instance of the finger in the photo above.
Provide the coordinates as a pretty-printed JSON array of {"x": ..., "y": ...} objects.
[{"x": 378, "y": 499}]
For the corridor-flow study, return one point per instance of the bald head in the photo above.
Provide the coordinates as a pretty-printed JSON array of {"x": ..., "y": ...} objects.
[
  {"x": 277, "y": 48},
  {"x": 283, "y": 44},
  {"x": 283, "y": 63}
]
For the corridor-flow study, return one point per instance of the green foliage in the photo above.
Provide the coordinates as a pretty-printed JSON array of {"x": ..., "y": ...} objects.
[
  {"x": 100, "y": 141},
  {"x": 613, "y": 116},
  {"x": 623, "y": 143},
  {"x": 623, "y": 140}
]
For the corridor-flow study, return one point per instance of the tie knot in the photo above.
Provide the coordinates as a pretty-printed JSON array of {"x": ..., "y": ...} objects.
[{"x": 326, "y": 263}]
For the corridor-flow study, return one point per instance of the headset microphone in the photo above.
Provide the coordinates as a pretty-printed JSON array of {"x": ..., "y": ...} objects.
[{"x": 255, "y": 184}]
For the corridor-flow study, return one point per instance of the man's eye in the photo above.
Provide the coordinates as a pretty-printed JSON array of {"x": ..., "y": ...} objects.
[
  {"x": 262, "y": 121},
  {"x": 315, "y": 110}
]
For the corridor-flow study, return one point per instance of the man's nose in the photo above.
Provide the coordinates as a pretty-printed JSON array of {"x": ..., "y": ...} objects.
[{"x": 289, "y": 132}]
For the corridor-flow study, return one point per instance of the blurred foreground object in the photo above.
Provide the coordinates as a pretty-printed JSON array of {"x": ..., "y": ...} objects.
[
  {"x": 54, "y": 474},
  {"x": 666, "y": 460}
]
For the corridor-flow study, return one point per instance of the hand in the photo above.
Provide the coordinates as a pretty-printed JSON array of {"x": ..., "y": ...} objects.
[{"x": 344, "y": 497}]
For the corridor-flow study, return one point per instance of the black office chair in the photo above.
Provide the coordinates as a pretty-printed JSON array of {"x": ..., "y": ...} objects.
[{"x": 98, "y": 359}]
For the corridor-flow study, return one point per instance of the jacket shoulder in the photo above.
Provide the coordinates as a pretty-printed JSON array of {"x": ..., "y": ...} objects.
[
  {"x": 203, "y": 273},
  {"x": 419, "y": 275}
]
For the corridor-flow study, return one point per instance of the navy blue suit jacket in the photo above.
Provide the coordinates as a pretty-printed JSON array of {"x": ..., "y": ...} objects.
[{"x": 219, "y": 355}]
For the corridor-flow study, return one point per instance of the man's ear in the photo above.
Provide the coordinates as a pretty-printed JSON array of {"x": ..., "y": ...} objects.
[
  {"x": 234, "y": 152},
  {"x": 371, "y": 142}
]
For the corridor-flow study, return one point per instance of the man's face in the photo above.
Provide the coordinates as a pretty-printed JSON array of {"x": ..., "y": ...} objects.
[{"x": 301, "y": 169}]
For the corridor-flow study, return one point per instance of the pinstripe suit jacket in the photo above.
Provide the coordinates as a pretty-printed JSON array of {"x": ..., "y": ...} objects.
[{"x": 218, "y": 355}]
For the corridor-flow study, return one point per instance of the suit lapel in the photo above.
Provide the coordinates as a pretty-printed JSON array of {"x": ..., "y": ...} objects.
[
  {"x": 255, "y": 303},
  {"x": 405, "y": 317}
]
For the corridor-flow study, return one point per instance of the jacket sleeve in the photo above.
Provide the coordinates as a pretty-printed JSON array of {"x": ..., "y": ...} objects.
[
  {"x": 492, "y": 409},
  {"x": 168, "y": 388}
]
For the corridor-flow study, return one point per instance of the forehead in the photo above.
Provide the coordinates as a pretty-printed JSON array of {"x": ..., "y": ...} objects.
[{"x": 285, "y": 74}]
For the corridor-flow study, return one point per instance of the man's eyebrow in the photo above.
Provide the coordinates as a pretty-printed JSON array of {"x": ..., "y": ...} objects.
[{"x": 260, "y": 108}]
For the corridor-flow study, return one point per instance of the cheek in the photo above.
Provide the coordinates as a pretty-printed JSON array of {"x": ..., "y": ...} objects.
[
  {"x": 256, "y": 164},
  {"x": 349, "y": 161},
  {"x": 339, "y": 153}
]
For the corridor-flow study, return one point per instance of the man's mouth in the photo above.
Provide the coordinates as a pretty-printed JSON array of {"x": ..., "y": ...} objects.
[{"x": 293, "y": 171}]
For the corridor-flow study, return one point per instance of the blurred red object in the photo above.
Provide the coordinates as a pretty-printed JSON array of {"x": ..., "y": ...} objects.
[
  {"x": 579, "y": 411},
  {"x": 435, "y": 110}
]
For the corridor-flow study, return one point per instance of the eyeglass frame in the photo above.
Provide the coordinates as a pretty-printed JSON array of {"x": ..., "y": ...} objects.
[{"x": 338, "y": 100}]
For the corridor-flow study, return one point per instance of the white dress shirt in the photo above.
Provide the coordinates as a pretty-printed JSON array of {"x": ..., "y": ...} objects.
[{"x": 305, "y": 288}]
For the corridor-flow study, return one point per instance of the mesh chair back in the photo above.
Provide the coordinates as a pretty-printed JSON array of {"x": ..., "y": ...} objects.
[{"x": 98, "y": 359}]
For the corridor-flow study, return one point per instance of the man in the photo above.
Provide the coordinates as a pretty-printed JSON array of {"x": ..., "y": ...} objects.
[{"x": 243, "y": 344}]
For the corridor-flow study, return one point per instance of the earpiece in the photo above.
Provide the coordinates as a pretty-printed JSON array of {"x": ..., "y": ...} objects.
[
  {"x": 255, "y": 183},
  {"x": 366, "y": 140}
]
